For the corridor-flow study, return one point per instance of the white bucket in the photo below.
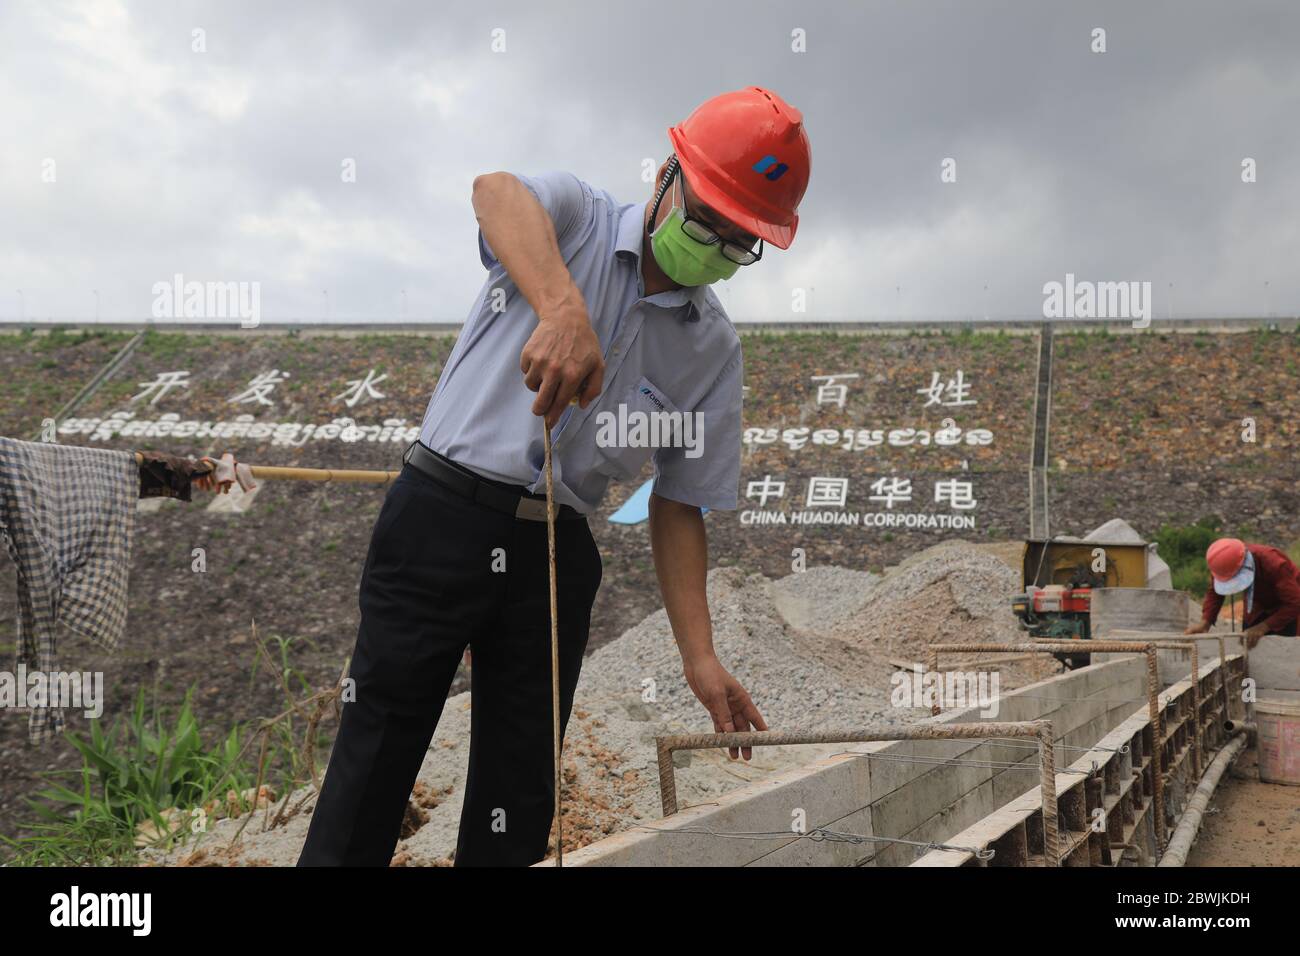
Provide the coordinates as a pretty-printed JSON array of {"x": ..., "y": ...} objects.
[{"x": 1278, "y": 723}]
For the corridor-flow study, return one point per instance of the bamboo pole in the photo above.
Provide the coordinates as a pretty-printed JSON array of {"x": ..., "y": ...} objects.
[
  {"x": 1180, "y": 844},
  {"x": 284, "y": 473}
]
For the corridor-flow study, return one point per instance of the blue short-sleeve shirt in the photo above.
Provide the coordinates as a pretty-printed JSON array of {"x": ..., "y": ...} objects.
[{"x": 673, "y": 368}]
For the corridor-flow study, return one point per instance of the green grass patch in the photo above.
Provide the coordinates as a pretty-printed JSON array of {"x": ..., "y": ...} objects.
[
  {"x": 1183, "y": 548},
  {"x": 144, "y": 766},
  {"x": 154, "y": 767},
  {"x": 174, "y": 344}
]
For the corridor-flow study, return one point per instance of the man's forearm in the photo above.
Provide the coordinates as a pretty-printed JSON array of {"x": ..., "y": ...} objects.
[
  {"x": 1210, "y": 606},
  {"x": 681, "y": 556},
  {"x": 522, "y": 236}
]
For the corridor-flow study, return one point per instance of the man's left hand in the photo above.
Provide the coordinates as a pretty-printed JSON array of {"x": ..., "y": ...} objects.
[{"x": 725, "y": 699}]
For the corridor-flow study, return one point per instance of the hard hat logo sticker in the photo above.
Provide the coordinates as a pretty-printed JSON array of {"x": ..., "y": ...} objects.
[{"x": 774, "y": 172}]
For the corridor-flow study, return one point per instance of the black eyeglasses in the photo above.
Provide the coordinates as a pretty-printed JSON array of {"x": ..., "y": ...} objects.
[{"x": 701, "y": 232}]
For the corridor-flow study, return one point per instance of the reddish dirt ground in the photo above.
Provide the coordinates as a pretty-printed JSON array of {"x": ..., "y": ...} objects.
[{"x": 1257, "y": 824}]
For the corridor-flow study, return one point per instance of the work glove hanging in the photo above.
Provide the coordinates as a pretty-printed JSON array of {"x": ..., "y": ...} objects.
[{"x": 225, "y": 472}]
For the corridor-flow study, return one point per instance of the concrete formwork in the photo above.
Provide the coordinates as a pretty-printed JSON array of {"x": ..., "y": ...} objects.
[
  {"x": 877, "y": 790},
  {"x": 1121, "y": 786},
  {"x": 1105, "y": 796}
]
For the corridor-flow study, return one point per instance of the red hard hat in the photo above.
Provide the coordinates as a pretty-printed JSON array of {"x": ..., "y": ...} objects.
[
  {"x": 747, "y": 156},
  {"x": 1225, "y": 558}
]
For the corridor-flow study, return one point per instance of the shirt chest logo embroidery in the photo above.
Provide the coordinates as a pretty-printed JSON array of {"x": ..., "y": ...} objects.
[
  {"x": 649, "y": 393},
  {"x": 665, "y": 427}
]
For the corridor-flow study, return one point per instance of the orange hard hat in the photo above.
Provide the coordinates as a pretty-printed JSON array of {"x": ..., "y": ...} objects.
[
  {"x": 1229, "y": 565},
  {"x": 747, "y": 156}
]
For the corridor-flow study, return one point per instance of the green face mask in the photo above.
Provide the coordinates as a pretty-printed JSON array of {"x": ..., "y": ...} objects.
[{"x": 683, "y": 259}]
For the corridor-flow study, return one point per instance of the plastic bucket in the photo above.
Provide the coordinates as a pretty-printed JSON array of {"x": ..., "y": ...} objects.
[{"x": 1278, "y": 723}]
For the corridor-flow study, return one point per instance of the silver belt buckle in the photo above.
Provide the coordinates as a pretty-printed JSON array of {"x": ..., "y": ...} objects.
[{"x": 531, "y": 509}]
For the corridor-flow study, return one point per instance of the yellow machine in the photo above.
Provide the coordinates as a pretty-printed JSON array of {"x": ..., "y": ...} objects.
[
  {"x": 1079, "y": 564},
  {"x": 1058, "y": 579}
]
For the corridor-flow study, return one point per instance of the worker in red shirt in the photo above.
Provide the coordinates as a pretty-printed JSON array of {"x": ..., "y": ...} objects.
[{"x": 1271, "y": 583}]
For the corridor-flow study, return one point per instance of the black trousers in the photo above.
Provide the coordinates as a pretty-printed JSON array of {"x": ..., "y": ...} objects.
[{"x": 443, "y": 572}]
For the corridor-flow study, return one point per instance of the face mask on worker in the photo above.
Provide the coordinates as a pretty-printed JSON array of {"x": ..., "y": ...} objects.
[{"x": 687, "y": 261}]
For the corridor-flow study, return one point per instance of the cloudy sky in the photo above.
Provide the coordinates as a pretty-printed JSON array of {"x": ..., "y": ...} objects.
[{"x": 224, "y": 163}]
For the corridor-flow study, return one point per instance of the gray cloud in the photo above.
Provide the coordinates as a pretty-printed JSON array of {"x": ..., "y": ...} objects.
[{"x": 225, "y": 165}]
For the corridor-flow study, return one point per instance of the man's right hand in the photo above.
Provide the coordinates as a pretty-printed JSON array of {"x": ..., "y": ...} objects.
[
  {"x": 725, "y": 698},
  {"x": 1199, "y": 628},
  {"x": 562, "y": 359}
]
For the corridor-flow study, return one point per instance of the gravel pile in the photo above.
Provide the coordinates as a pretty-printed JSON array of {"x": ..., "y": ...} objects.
[
  {"x": 813, "y": 649},
  {"x": 753, "y": 641},
  {"x": 950, "y": 593},
  {"x": 953, "y": 592}
]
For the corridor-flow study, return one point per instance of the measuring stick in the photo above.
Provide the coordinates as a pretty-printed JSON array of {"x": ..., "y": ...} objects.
[{"x": 555, "y": 642}]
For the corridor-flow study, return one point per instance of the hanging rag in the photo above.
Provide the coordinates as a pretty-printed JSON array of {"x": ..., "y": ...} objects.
[{"x": 66, "y": 517}]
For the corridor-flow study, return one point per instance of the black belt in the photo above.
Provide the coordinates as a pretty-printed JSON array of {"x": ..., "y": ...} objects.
[{"x": 510, "y": 499}]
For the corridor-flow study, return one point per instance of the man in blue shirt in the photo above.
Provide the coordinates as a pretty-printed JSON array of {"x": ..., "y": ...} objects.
[{"x": 608, "y": 311}]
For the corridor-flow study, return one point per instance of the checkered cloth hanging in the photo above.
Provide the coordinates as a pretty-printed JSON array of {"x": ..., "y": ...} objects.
[{"x": 66, "y": 516}]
